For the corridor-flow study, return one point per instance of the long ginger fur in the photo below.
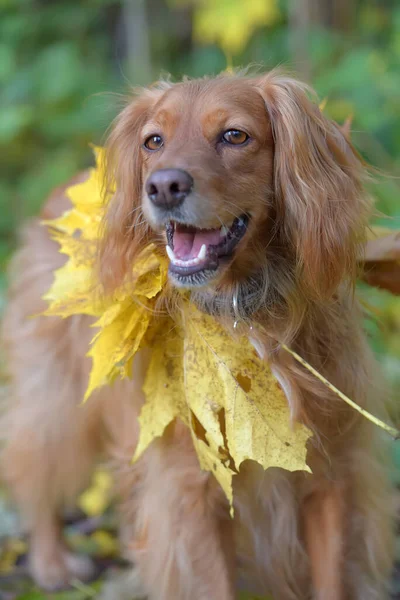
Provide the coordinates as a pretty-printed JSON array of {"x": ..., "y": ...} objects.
[{"x": 325, "y": 536}]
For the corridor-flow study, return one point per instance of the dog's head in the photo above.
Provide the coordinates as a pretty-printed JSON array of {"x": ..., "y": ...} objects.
[{"x": 235, "y": 177}]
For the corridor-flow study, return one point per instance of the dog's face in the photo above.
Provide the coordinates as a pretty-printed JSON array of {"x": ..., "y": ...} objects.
[
  {"x": 207, "y": 172},
  {"x": 234, "y": 175}
]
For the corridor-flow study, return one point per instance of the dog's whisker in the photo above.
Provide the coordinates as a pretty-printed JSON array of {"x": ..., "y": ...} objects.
[{"x": 132, "y": 212}]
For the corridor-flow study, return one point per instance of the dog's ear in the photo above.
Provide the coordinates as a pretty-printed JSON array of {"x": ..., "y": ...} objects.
[
  {"x": 322, "y": 208},
  {"x": 124, "y": 229}
]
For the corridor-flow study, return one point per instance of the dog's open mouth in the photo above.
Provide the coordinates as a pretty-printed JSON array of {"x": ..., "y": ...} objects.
[{"x": 192, "y": 250}]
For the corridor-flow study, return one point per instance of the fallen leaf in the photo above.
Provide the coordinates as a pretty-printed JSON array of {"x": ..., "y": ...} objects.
[
  {"x": 10, "y": 550},
  {"x": 106, "y": 543},
  {"x": 96, "y": 498}
]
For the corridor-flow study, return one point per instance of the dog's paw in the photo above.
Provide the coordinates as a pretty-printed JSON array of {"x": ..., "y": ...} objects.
[
  {"x": 49, "y": 573},
  {"x": 58, "y": 571}
]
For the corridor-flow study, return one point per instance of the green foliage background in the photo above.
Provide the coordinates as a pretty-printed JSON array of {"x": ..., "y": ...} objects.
[{"x": 59, "y": 59}]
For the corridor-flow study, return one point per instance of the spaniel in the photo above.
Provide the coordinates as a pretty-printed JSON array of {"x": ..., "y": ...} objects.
[{"x": 259, "y": 201}]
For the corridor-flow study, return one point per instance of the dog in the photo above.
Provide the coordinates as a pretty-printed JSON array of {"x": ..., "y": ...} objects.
[{"x": 261, "y": 202}]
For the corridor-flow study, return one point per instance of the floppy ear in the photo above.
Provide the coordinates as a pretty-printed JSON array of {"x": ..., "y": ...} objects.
[
  {"x": 124, "y": 229},
  {"x": 322, "y": 208}
]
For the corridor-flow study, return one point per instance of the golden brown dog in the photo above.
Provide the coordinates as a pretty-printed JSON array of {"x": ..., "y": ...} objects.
[{"x": 260, "y": 199}]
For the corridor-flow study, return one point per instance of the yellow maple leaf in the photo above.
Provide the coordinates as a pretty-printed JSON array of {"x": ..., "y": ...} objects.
[
  {"x": 198, "y": 373},
  {"x": 256, "y": 411},
  {"x": 123, "y": 318},
  {"x": 199, "y": 369},
  {"x": 163, "y": 387},
  {"x": 74, "y": 289},
  {"x": 87, "y": 203},
  {"x": 125, "y": 321}
]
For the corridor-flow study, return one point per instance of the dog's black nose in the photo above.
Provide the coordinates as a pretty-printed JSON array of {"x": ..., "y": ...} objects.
[{"x": 167, "y": 188}]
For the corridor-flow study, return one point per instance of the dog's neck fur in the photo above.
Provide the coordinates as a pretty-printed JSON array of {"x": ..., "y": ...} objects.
[{"x": 241, "y": 302}]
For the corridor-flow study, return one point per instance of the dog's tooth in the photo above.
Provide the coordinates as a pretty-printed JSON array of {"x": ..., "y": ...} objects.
[
  {"x": 202, "y": 254},
  {"x": 224, "y": 231},
  {"x": 170, "y": 253}
]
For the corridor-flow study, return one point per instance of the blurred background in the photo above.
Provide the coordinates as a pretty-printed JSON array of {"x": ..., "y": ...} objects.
[{"x": 62, "y": 60}]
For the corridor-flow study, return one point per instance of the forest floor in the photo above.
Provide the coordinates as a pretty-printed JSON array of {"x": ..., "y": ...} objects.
[{"x": 95, "y": 536}]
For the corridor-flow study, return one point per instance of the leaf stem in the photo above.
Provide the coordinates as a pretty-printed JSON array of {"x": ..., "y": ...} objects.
[{"x": 391, "y": 430}]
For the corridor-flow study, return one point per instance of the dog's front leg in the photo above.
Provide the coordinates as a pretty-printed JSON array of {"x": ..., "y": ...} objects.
[
  {"x": 183, "y": 541},
  {"x": 323, "y": 519}
]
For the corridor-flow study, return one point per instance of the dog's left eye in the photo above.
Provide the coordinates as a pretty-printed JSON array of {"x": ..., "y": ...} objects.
[
  {"x": 153, "y": 142},
  {"x": 235, "y": 137}
]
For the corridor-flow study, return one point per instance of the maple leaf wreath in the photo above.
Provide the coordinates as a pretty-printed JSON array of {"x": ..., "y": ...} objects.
[{"x": 197, "y": 369}]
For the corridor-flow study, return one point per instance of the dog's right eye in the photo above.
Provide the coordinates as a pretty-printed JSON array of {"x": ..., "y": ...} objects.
[
  {"x": 153, "y": 142},
  {"x": 235, "y": 137}
]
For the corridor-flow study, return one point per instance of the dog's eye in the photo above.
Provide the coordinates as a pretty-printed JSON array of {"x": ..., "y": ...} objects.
[
  {"x": 235, "y": 137},
  {"x": 153, "y": 142}
]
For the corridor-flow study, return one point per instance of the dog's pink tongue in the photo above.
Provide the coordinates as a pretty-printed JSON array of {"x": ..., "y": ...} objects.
[{"x": 189, "y": 240}]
